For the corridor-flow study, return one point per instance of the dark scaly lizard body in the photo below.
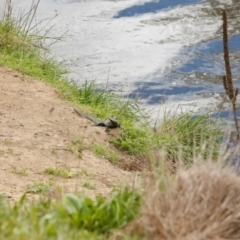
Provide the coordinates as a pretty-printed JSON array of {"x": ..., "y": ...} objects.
[{"x": 110, "y": 123}]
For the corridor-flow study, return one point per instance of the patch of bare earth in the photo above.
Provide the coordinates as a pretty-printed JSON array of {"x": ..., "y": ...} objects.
[{"x": 36, "y": 129}]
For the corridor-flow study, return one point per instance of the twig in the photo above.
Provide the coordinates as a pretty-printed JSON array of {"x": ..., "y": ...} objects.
[{"x": 227, "y": 80}]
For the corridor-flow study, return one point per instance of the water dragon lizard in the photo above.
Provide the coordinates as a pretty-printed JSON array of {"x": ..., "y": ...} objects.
[{"x": 112, "y": 122}]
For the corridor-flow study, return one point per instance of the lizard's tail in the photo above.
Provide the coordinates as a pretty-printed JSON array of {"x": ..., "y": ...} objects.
[
  {"x": 80, "y": 114},
  {"x": 96, "y": 121}
]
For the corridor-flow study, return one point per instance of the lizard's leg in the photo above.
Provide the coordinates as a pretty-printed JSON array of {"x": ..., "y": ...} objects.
[{"x": 100, "y": 124}]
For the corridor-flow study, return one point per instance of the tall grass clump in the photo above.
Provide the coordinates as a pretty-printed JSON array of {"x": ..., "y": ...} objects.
[
  {"x": 186, "y": 135},
  {"x": 22, "y": 46},
  {"x": 181, "y": 136},
  {"x": 135, "y": 140},
  {"x": 202, "y": 203},
  {"x": 105, "y": 102}
]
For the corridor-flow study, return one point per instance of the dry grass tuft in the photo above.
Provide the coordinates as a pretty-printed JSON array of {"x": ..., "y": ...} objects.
[{"x": 201, "y": 203}]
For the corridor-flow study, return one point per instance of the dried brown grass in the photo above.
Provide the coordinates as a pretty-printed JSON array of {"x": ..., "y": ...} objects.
[{"x": 201, "y": 203}]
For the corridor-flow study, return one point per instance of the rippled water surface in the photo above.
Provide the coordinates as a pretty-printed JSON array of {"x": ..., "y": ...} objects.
[
  {"x": 152, "y": 7},
  {"x": 167, "y": 51}
]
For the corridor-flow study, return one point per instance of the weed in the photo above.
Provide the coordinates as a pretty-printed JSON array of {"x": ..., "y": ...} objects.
[
  {"x": 22, "y": 172},
  {"x": 2, "y": 153},
  {"x": 89, "y": 185},
  {"x": 7, "y": 141},
  {"x": 39, "y": 188},
  {"x": 98, "y": 215},
  {"x": 54, "y": 151},
  {"x": 65, "y": 173},
  {"x": 97, "y": 132},
  {"x": 101, "y": 150},
  {"x": 118, "y": 188},
  {"x": 85, "y": 172},
  {"x": 76, "y": 147},
  {"x": 73, "y": 217},
  {"x": 10, "y": 151}
]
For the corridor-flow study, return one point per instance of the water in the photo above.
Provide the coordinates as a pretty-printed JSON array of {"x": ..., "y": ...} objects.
[
  {"x": 167, "y": 51},
  {"x": 152, "y": 7}
]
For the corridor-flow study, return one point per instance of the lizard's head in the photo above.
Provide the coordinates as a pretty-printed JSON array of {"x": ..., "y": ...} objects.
[{"x": 114, "y": 122}]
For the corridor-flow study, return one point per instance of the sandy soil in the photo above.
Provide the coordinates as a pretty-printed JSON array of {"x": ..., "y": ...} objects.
[{"x": 36, "y": 128}]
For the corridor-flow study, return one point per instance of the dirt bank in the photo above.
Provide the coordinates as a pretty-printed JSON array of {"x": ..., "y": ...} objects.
[{"x": 36, "y": 130}]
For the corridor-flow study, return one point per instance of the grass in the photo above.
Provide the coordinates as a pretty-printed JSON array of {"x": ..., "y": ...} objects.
[
  {"x": 135, "y": 140},
  {"x": 40, "y": 187},
  {"x": 193, "y": 206},
  {"x": 54, "y": 151},
  {"x": 7, "y": 142},
  {"x": 10, "y": 151},
  {"x": 84, "y": 172},
  {"x": 100, "y": 216},
  {"x": 185, "y": 136},
  {"x": 103, "y": 151},
  {"x": 72, "y": 217},
  {"x": 64, "y": 173},
  {"x": 118, "y": 187},
  {"x": 76, "y": 147},
  {"x": 22, "y": 172},
  {"x": 2, "y": 153},
  {"x": 182, "y": 136},
  {"x": 89, "y": 185}
]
